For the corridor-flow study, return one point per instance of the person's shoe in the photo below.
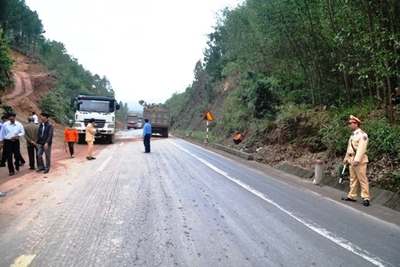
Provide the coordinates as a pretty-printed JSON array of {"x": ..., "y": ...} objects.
[
  {"x": 348, "y": 199},
  {"x": 31, "y": 168},
  {"x": 92, "y": 158},
  {"x": 2, "y": 165},
  {"x": 366, "y": 202},
  {"x": 72, "y": 156},
  {"x": 17, "y": 168},
  {"x": 39, "y": 170},
  {"x": 88, "y": 158},
  {"x": 21, "y": 164},
  {"x": 11, "y": 174},
  {"x": 46, "y": 171}
]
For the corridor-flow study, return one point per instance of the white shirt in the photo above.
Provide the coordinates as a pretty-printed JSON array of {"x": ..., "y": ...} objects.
[
  {"x": 35, "y": 118},
  {"x": 9, "y": 130}
]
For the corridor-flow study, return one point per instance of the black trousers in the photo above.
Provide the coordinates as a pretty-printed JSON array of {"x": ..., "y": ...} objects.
[
  {"x": 3, "y": 157},
  {"x": 20, "y": 159},
  {"x": 71, "y": 148},
  {"x": 12, "y": 148},
  {"x": 32, "y": 151},
  {"x": 237, "y": 141},
  {"x": 146, "y": 142}
]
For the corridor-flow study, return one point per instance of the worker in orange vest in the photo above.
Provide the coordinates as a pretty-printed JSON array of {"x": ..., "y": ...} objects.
[
  {"x": 70, "y": 137},
  {"x": 238, "y": 138}
]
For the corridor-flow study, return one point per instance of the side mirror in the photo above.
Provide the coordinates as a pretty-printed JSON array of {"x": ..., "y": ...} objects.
[{"x": 117, "y": 107}]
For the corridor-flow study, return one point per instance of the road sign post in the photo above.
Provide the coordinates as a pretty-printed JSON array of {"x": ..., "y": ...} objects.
[{"x": 207, "y": 117}]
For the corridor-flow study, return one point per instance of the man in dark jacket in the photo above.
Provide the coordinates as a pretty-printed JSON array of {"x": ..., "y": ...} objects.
[{"x": 44, "y": 141}]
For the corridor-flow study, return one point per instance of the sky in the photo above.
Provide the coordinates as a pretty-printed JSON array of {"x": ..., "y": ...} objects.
[{"x": 147, "y": 49}]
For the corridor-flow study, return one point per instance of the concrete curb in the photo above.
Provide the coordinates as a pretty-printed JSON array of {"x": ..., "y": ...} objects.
[
  {"x": 378, "y": 196},
  {"x": 238, "y": 153}
]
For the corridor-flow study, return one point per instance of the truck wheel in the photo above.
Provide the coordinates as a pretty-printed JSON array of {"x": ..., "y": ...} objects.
[
  {"x": 110, "y": 139},
  {"x": 165, "y": 134}
]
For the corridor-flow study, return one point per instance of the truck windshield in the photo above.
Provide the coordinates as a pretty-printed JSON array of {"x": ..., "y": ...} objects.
[{"x": 95, "y": 105}]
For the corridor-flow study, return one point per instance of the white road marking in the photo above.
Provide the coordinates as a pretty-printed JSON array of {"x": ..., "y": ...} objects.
[
  {"x": 316, "y": 228},
  {"x": 104, "y": 164},
  {"x": 23, "y": 260}
]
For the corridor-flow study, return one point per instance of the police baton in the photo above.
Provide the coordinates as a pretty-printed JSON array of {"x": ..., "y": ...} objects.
[{"x": 342, "y": 174}]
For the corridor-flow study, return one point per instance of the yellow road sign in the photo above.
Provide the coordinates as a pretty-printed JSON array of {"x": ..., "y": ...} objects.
[{"x": 208, "y": 116}]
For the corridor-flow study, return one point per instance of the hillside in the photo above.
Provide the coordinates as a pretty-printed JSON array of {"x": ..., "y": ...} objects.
[
  {"x": 298, "y": 136},
  {"x": 32, "y": 81}
]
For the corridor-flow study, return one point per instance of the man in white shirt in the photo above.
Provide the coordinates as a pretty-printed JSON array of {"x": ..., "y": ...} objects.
[
  {"x": 35, "y": 118},
  {"x": 10, "y": 133}
]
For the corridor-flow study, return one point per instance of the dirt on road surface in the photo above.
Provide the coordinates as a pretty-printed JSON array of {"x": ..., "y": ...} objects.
[
  {"x": 32, "y": 81},
  {"x": 28, "y": 190}
]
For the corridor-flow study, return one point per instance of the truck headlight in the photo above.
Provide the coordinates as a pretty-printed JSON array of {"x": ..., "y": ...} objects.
[{"x": 111, "y": 125}]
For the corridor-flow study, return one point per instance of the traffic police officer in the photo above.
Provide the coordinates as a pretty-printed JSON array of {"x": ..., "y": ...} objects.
[{"x": 356, "y": 157}]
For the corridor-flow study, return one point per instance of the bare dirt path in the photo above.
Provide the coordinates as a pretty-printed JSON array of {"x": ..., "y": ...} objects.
[
  {"x": 23, "y": 88},
  {"x": 31, "y": 81}
]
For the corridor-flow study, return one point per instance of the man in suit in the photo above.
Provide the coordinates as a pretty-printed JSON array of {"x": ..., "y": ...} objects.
[
  {"x": 44, "y": 142},
  {"x": 31, "y": 134}
]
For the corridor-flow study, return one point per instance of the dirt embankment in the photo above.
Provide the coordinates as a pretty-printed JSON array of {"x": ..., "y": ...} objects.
[{"x": 32, "y": 80}]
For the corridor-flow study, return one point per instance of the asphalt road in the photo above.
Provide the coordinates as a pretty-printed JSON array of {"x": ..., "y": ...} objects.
[{"x": 182, "y": 205}]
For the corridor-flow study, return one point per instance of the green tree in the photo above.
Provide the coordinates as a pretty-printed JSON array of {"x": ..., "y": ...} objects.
[{"x": 6, "y": 79}]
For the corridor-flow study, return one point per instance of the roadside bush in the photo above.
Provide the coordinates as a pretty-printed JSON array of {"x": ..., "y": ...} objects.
[
  {"x": 233, "y": 117},
  {"x": 391, "y": 182},
  {"x": 51, "y": 103},
  {"x": 259, "y": 95},
  {"x": 6, "y": 77},
  {"x": 383, "y": 140},
  {"x": 300, "y": 125},
  {"x": 335, "y": 135},
  {"x": 6, "y": 109}
]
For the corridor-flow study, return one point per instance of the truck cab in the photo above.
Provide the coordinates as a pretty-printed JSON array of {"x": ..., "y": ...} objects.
[{"x": 103, "y": 109}]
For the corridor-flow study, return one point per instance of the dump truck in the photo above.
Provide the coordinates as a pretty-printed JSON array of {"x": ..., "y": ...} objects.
[
  {"x": 103, "y": 109},
  {"x": 132, "y": 121},
  {"x": 159, "y": 119}
]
